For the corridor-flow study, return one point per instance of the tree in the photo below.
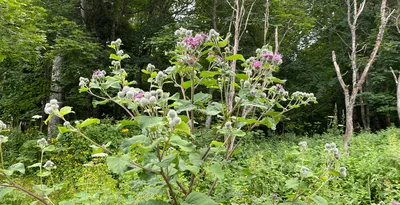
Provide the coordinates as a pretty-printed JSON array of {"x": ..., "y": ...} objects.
[{"x": 350, "y": 98}]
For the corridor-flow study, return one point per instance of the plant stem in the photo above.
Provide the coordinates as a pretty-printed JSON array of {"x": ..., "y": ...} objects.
[
  {"x": 40, "y": 167},
  {"x": 1, "y": 154},
  {"x": 171, "y": 191},
  {"x": 192, "y": 101},
  {"x": 15, "y": 185},
  {"x": 93, "y": 142},
  {"x": 192, "y": 178}
]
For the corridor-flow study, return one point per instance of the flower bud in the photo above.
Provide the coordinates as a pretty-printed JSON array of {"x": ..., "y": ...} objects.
[
  {"x": 121, "y": 94},
  {"x": 247, "y": 84},
  {"x": 2, "y": 125},
  {"x": 150, "y": 67},
  {"x": 143, "y": 102},
  {"x": 304, "y": 170},
  {"x": 159, "y": 92},
  {"x": 177, "y": 120},
  {"x": 343, "y": 171},
  {"x": 152, "y": 100},
  {"x": 147, "y": 95},
  {"x": 53, "y": 102},
  {"x": 228, "y": 125},
  {"x": 130, "y": 94},
  {"x": 165, "y": 95},
  {"x": 48, "y": 164},
  {"x": 263, "y": 95},
  {"x": 172, "y": 114}
]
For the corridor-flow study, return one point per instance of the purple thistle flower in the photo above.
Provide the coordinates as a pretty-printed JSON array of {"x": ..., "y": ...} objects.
[
  {"x": 193, "y": 42},
  {"x": 257, "y": 64},
  {"x": 279, "y": 86},
  {"x": 277, "y": 59},
  {"x": 394, "y": 203},
  {"x": 268, "y": 55},
  {"x": 99, "y": 74},
  {"x": 139, "y": 95}
]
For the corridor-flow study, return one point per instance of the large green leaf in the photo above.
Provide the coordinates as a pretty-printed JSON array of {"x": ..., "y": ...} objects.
[
  {"x": 242, "y": 76},
  {"x": 196, "y": 198},
  {"x": 186, "y": 146},
  {"x": 111, "y": 82},
  {"x": 184, "y": 105},
  {"x": 4, "y": 191},
  {"x": 166, "y": 161},
  {"x": 294, "y": 203},
  {"x": 292, "y": 183},
  {"x": 186, "y": 84},
  {"x": 319, "y": 200},
  {"x": 148, "y": 121},
  {"x": 19, "y": 167},
  {"x": 65, "y": 110},
  {"x": 235, "y": 57},
  {"x": 201, "y": 98},
  {"x": 96, "y": 102},
  {"x": 88, "y": 122},
  {"x": 182, "y": 127},
  {"x": 135, "y": 140},
  {"x": 216, "y": 169},
  {"x": 118, "y": 164},
  {"x": 62, "y": 129},
  {"x": 269, "y": 122},
  {"x": 154, "y": 202},
  {"x": 209, "y": 74},
  {"x": 213, "y": 109},
  {"x": 124, "y": 123}
]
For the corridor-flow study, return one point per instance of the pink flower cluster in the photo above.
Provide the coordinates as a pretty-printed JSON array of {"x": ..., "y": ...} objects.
[
  {"x": 139, "y": 95},
  {"x": 99, "y": 74},
  {"x": 257, "y": 64},
  {"x": 271, "y": 57},
  {"x": 195, "y": 41}
]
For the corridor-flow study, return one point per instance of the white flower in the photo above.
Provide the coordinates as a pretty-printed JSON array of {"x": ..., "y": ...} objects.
[
  {"x": 36, "y": 117},
  {"x": 172, "y": 114},
  {"x": 2, "y": 125},
  {"x": 100, "y": 155},
  {"x": 48, "y": 164},
  {"x": 343, "y": 171}
]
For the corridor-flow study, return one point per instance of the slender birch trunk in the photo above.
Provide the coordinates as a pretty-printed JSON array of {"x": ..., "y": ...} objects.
[
  {"x": 56, "y": 92},
  {"x": 352, "y": 16}
]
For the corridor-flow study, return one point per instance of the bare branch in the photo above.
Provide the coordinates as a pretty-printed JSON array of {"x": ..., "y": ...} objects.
[
  {"x": 266, "y": 22},
  {"x": 247, "y": 19},
  {"x": 384, "y": 20},
  {"x": 361, "y": 8},
  {"x": 276, "y": 40},
  {"x": 394, "y": 75},
  {"x": 338, "y": 73},
  {"x": 397, "y": 23}
]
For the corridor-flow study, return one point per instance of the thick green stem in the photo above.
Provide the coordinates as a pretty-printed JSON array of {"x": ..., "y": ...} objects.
[
  {"x": 15, "y": 185},
  {"x": 1, "y": 154}
]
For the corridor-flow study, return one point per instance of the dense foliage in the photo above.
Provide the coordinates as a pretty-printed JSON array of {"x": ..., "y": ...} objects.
[
  {"x": 264, "y": 170},
  {"x": 186, "y": 117}
]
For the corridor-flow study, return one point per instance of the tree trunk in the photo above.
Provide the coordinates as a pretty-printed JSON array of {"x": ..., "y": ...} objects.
[
  {"x": 398, "y": 97},
  {"x": 352, "y": 16},
  {"x": 362, "y": 110},
  {"x": 84, "y": 10},
  {"x": 56, "y": 91},
  {"x": 210, "y": 91},
  {"x": 349, "y": 127},
  {"x": 231, "y": 89}
]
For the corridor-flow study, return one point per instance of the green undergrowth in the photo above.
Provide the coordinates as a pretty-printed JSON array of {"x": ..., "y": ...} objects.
[{"x": 263, "y": 171}]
